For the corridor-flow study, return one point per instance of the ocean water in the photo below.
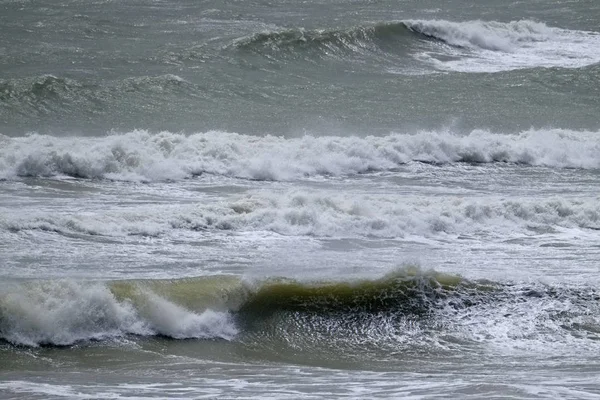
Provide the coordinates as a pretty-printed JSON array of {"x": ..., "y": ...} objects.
[{"x": 299, "y": 200}]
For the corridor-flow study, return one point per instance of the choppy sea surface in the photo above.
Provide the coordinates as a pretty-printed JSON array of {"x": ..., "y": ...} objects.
[{"x": 318, "y": 199}]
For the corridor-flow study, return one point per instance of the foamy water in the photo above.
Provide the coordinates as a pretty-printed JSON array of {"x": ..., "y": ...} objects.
[
  {"x": 143, "y": 156},
  {"x": 490, "y": 46},
  {"x": 310, "y": 200}
]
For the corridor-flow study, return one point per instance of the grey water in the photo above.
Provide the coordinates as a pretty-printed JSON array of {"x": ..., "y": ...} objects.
[{"x": 340, "y": 199}]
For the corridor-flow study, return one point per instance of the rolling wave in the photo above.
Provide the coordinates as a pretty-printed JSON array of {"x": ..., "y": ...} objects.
[
  {"x": 278, "y": 310},
  {"x": 143, "y": 156},
  {"x": 490, "y": 35},
  {"x": 291, "y": 43},
  {"x": 472, "y": 46}
]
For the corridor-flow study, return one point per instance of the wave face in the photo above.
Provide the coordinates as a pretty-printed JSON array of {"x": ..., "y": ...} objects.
[
  {"x": 300, "y": 43},
  {"x": 472, "y": 46},
  {"x": 143, "y": 156},
  {"x": 406, "y": 308}
]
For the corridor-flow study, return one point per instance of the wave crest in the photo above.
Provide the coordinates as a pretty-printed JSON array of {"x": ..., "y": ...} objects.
[
  {"x": 491, "y": 46},
  {"x": 491, "y": 35},
  {"x": 143, "y": 156},
  {"x": 65, "y": 312}
]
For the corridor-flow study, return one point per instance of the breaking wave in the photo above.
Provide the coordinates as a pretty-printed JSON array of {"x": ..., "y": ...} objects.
[
  {"x": 404, "y": 309},
  {"x": 492, "y": 46},
  {"x": 473, "y": 46},
  {"x": 143, "y": 156},
  {"x": 488, "y": 35},
  {"x": 65, "y": 312},
  {"x": 496, "y": 36}
]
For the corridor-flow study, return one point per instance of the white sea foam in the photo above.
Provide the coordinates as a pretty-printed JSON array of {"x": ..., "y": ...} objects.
[
  {"x": 485, "y": 35},
  {"x": 489, "y": 46},
  {"x": 144, "y": 156},
  {"x": 327, "y": 214},
  {"x": 532, "y": 318},
  {"x": 43, "y": 389},
  {"x": 65, "y": 312},
  {"x": 169, "y": 319}
]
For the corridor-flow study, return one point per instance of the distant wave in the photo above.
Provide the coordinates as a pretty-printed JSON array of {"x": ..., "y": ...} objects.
[
  {"x": 485, "y": 35},
  {"x": 49, "y": 94},
  {"x": 143, "y": 156},
  {"x": 471, "y": 44},
  {"x": 44, "y": 86},
  {"x": 404, "y": 309}
]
